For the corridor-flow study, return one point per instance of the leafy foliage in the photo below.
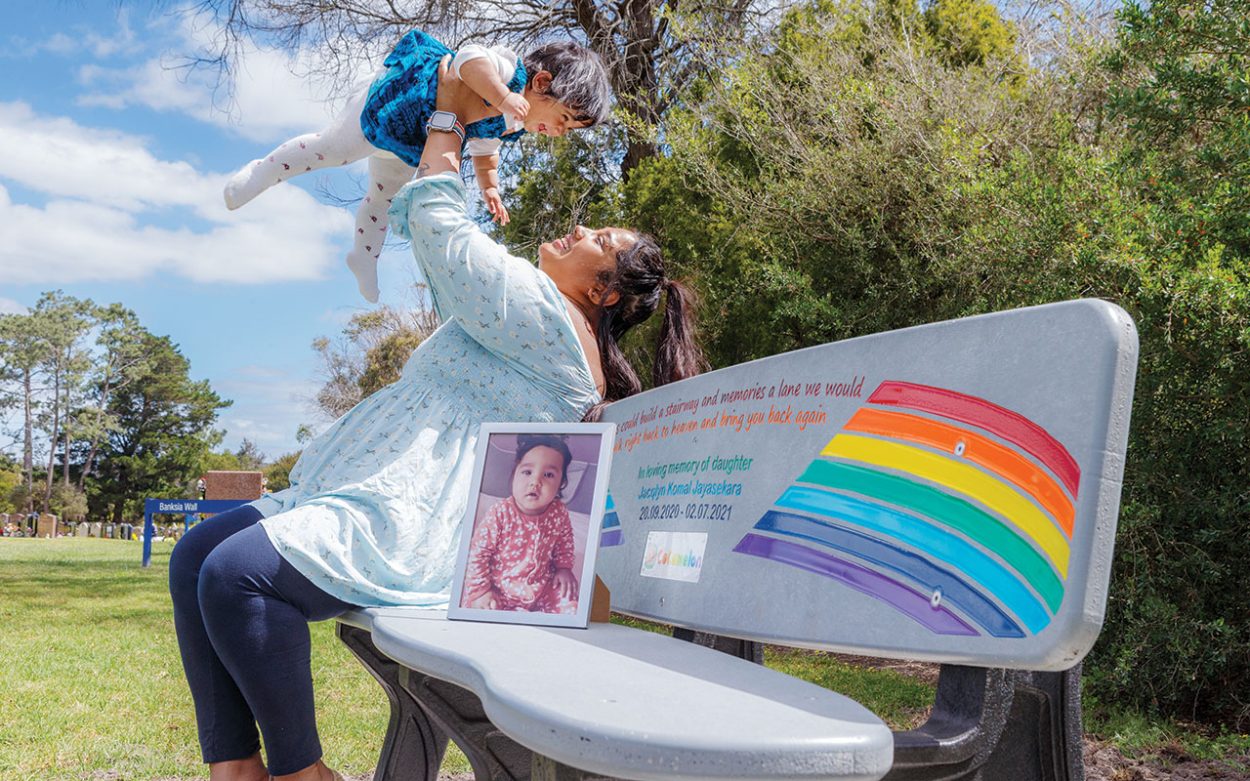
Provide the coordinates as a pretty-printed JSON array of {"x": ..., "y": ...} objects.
[
  {"x": 368, "y": 355},
  {"x": 164, "y": 431},
  {"x": 872, "y": 166}
]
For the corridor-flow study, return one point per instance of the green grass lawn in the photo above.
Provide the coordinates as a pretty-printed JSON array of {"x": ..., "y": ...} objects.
[
  {"x": 91, "y": 681},
  {"x": 91, "y": 684}
]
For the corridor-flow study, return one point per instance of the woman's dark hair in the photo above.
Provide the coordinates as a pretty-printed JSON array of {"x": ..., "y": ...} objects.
[
  {"x": 578, "y": 79},
  {"x": 527, "y": 442},
  {"x": 639, "y": 280}
]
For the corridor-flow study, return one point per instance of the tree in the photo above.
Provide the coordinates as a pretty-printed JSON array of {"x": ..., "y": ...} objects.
[
  {"x": 1180, "y": 94},
  {"x": 970, "y": 32},
  {"x": 652, "y": 48},
  {"x": 64, "y": 323},
  {"x": 10, "y": 482},
  {"x": 278, "y": 474},
  {"x": 23, "y": 348},
  {"x": 1182, "y": 85},
  {"x": 249, "y": 456},
  {"x": 68, "y": 502},
  {"x": 164, "y": 431},
  {"x": 122, "y": 360},
  {"x": 369, "y": 355},
  {"x": 849, "y": 181}
]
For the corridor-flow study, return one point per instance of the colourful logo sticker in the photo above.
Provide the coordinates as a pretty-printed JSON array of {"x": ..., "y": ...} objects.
[{"x": 674, "y": 556}]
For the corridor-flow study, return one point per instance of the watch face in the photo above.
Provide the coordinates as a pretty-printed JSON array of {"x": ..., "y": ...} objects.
[{"x": 442, "y": 120}]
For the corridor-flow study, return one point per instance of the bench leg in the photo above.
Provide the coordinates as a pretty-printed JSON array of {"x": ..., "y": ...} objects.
[
  {"x": 990, "y": 724},
  {"x": 425, "y": 712},
  {"x": 743, "y": 649},
  {"x": 458, "y": 712},
  {"x": 414, "y": 746}
]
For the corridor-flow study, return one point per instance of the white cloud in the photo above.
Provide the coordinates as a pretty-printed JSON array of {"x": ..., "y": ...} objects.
[
  {"x": 10, "y": 307},
  {"x": 115, "y": 211},
  {"x": 273, "y": 98},
  {"x": 269, "y": 408},
  {"x": 78, "y": 40}
]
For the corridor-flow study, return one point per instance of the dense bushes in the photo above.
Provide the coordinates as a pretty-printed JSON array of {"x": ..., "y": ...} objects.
[{"x": 861, "y": 170}]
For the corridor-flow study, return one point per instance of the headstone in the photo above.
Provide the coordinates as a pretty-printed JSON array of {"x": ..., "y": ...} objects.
[
  {"x": 96, "y": 528},
  {"x": 82, "y": 530},
  {"x": 46, "y": 526},
  {"x": 233, "y": 485}
]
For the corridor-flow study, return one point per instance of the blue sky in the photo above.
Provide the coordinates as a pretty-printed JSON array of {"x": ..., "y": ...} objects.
[{"x": 112, "y": 161}]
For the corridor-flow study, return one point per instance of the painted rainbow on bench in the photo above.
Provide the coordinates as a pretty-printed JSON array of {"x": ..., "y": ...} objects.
[
  {"x": 965, "y": 533},
  {"x": 610, "y": 531}
]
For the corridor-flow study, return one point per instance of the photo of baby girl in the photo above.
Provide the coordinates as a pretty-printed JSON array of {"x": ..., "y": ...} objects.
[{"x": 526, "y": 558}]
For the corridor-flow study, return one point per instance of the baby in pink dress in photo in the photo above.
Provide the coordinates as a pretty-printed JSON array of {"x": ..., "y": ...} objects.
[{"x": 522, "y": 553}]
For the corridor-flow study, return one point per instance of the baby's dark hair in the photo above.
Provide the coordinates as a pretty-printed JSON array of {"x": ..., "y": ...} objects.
[
  {"x": 578, "y": 79},
  {"x": 527, "y": 442}
]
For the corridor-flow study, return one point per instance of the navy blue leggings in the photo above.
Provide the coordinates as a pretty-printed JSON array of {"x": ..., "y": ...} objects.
[{"x": 241, "y": 613}]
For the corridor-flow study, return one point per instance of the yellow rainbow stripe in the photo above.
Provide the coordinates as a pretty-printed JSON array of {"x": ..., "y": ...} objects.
[{"x": 964, "y": 479}]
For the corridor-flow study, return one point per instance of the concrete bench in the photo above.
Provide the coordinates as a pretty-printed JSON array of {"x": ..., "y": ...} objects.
[{"x": 945, "y": 493}]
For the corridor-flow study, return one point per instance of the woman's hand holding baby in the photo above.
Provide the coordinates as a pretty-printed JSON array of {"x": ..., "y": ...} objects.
[
  {"x": 457, "y": 97},
  {"x": 565, "y": 584}
]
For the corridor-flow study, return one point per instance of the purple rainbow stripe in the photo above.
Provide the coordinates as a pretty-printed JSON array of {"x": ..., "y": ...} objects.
[
  {"x": 611, "y": 537},
  {"x": 1008, "y": 425},
  {"x": 911, "y": 603}
]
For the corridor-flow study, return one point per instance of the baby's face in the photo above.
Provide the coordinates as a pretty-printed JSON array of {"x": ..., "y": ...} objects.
[
  {"x": 536, "y": 480},
  {"x": 548, "y": 116}
]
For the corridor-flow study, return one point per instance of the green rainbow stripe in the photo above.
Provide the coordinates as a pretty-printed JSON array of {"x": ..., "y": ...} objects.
[
  {"x": 967, "y": 480},
  {"x": 955, "y": 513}
]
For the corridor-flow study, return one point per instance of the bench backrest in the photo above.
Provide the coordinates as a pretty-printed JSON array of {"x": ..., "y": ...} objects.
[{"x": 947, "y": 492}]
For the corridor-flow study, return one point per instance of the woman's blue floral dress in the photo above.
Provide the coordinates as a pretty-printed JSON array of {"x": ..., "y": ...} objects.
[{"x": 373, "y": 515}]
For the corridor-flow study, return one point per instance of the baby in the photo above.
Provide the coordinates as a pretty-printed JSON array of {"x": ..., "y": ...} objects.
[
  {"x": 521, "y": 554},
  {"x": 558, "y": 87}
]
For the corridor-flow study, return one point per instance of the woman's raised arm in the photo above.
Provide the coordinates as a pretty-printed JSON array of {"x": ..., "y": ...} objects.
[{"x": 442, "y": 148}]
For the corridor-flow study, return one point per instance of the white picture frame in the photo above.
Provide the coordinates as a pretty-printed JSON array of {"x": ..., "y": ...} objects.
[{"x": 486, "y": 585}]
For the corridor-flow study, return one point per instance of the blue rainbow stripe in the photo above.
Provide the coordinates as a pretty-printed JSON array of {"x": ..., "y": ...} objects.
[
  {"x": 952, "y": 589},
  {"x": 927, "y": 539},
  {"x": 611, "y": 534}
]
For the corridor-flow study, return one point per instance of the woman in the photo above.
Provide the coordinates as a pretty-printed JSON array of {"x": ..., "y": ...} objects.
[{"x": 373, "y": 513}]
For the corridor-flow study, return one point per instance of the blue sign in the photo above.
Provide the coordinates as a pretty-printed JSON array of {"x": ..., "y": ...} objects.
[{"x": 188, "y": 508}]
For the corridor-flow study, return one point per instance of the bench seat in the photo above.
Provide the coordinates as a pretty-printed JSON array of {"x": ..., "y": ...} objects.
[{"x": 626, "y": 703}]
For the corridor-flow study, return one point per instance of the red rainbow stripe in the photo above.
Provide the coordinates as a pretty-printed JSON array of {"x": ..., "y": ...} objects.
[{"x": 1002, "y": 422}]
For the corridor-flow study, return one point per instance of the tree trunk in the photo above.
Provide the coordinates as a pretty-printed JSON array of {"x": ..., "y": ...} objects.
[
  {"x": 96, "y": 435},
  {"x": 69, "y": 440},
  {"x": 56, "y": 434},
  {"x": 636, "y": 150},
  {"x": 28, "y": 440}
]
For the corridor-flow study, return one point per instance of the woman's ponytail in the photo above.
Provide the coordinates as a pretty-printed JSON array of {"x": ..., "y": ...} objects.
[
  {"x": 639, "y": 282},
  {"x": 677, "y": 355}
]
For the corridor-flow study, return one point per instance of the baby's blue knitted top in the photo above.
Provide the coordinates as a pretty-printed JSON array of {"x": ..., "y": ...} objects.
[{"x": 373, "y": 515}]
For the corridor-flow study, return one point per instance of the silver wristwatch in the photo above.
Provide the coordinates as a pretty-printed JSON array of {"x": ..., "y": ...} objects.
[{"x": 445, "y": 122}]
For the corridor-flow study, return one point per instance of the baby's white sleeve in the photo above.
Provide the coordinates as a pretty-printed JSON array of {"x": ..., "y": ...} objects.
[
  {"x": 483, "y": 147},
  {"x": 503, "y": 58}
]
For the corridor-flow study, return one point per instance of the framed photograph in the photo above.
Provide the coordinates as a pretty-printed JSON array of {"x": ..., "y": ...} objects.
[{"x": 531, "y": 530}]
